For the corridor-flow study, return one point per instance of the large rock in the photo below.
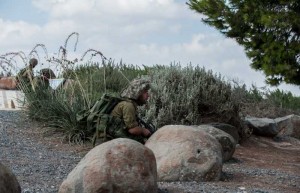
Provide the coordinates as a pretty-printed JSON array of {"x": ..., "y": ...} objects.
[
  {"x": 227, "y": 142},
  {"x": 230, "y": 129},
  {"x": 8, "y": 83},
  {"x": 289, "y": 126},
  {"x": 8, "y": 181},
  {"x": 263, "y": 126},
  {"x": 185, "y": 153},
  {"x": 282, "y": 126},
  {"x": 120, "y": 165}
]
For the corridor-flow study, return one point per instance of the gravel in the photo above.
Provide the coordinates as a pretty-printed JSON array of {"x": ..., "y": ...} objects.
[
  {"x": 37, "y": 166},
  {"x": 40, "y": 167}
]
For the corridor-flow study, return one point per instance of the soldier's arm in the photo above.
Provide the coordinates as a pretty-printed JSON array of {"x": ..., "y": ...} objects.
[
  {"x": 139, "y": 131},
  {"x": 129, "y": 117}
]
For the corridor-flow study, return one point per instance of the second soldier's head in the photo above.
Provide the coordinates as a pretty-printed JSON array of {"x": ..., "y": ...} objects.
[{"x": 33, "y": 62}]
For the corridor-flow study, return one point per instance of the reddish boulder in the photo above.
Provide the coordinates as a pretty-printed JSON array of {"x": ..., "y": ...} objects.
[
  {"x": 186, "y": 153},
  {"x": 120, "y": 165}
]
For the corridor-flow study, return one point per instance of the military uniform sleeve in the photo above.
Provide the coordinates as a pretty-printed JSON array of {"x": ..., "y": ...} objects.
[{"x": 129, "y": 115}]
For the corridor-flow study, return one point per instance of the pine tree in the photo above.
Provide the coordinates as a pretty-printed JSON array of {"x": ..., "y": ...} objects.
[{"x": 268, "y": 30}]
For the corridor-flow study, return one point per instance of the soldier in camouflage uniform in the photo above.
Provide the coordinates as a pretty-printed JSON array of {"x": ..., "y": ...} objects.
[
  {"x": 125, "y": 112},
  {"x": 25, "y": 76}
]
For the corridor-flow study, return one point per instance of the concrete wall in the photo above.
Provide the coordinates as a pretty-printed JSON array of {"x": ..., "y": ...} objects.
[{"x": 11, "y": 99}]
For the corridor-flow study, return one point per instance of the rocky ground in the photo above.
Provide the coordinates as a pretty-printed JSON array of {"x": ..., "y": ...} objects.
[{"x": 41, "y": 161}]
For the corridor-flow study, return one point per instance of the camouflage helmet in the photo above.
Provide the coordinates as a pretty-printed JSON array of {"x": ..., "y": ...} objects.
[
  {"x": 135, "y": 88},
  {"x": 33, "y": 62}
]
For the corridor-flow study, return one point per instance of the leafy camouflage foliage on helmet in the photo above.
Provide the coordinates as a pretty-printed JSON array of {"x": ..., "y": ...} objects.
[{"x": 135, "y": 88}]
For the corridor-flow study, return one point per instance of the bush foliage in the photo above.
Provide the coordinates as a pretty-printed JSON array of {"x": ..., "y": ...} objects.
[
  {"x": 188, "y": 95},
  {"x": 191, "y": 96}
]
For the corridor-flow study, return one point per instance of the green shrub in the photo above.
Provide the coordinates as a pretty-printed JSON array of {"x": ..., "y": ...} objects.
[
  {"x": 180, "y": 95},
  {"x": 284, "y": 99},
  {"x": 265, "y": 103},
  {"x": 191, "y": 96}
]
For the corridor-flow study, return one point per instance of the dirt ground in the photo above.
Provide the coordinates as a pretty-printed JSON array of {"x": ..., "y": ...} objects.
[
  {"x": 258, "y": 165},
  {"x": 277, "y": 164}
]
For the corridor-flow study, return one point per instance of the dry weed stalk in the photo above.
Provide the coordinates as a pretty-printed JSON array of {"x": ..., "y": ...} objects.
[
  {"x": 8, "y": 61},
  {"x": 34, "y": 53},
  {"x": 94, "y": 53}
]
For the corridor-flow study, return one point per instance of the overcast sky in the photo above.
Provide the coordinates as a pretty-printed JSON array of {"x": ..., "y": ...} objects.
[{"x": 140, "y": 32}]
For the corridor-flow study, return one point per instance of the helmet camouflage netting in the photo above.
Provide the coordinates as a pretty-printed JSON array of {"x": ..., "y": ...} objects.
[{"x": 135, "y": 88}]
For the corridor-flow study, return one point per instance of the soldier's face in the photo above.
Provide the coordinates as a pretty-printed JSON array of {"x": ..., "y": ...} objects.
[{"x": 144, "y": 97}]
